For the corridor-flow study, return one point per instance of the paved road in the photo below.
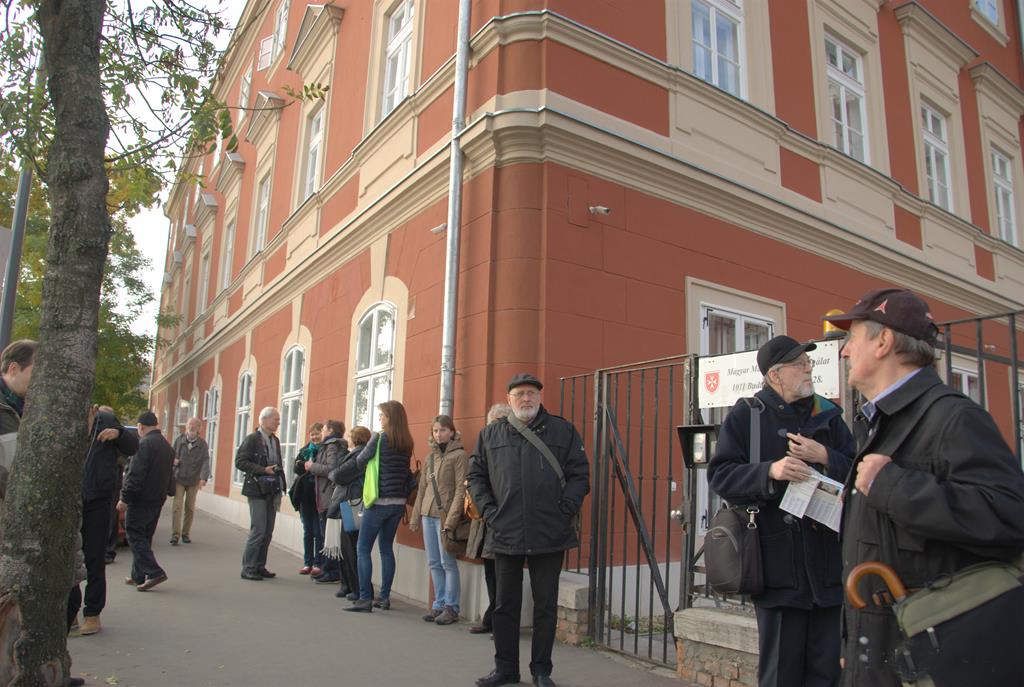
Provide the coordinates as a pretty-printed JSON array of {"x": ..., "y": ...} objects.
[{"x": 207, "y": 627}]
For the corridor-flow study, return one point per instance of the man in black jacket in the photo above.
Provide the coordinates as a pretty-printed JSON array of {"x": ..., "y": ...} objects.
[
  {"x": 530, "y": 511},
  {"x": 934, "y": 487},
  {"x": 99, "y": 486},
  {"x": 798, "y": 612},
  {"x": 259, "y": 457},
  {"x": 146, "y": 485}
]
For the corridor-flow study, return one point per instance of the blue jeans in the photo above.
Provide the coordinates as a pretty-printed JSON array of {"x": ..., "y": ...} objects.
[
  {"x": 444, "y": 568},
  {"x": 382, "y": 521},
  {"x": 312, "y": 535}
]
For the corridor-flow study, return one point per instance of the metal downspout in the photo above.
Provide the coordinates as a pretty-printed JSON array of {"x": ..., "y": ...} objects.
[
  {"x": 451, "y": 266},
  {"x": 1020, "y": 27}
]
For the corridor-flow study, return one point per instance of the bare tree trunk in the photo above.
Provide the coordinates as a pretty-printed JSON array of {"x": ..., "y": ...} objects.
[{"x": 43, "y": 502}]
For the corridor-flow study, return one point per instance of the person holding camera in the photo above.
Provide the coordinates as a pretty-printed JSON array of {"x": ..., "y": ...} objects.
[{"x": 259, "y": 457}]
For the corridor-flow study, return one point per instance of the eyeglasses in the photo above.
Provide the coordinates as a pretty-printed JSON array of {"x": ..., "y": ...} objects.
[
  {"x": 803, "y": 363},
  {"x": 524, "y": 393}
]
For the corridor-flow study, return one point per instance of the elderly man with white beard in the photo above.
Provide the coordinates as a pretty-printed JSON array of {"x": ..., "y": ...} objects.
[{"x": 528, "y": 477}]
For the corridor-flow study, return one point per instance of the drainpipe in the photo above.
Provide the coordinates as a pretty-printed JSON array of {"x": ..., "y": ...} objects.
[
  {"x": 451, "y": 262},
  {"x": 1020, "y": 27}
]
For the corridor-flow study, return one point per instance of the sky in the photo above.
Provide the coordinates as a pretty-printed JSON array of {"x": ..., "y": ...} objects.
[{"x": 150, "y": 227}]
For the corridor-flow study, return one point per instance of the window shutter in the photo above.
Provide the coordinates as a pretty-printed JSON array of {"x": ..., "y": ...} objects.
[{"x": 266, "y": 52}]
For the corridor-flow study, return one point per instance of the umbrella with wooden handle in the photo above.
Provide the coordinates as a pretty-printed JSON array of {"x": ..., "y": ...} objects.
[{"x": 888, "y": 575}]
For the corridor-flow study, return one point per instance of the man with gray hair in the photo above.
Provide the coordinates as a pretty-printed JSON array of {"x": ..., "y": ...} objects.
[
  {"x": 191, "y": 471},
  {"x": 259, "y": 458},
  {"x": 934, "y": 487}
]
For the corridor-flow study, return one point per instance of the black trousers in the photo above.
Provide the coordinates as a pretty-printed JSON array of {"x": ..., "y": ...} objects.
[
  {"x": 95, "y": 528},
  {"x": 140, "y": 525},
  {"x": 112, "y": 540},
  {"x": 544, "y": 570},
  {"x": 798, "y": 648},
  {"x": 491, "y": 582},
  {"x": 347, "y": 566}
]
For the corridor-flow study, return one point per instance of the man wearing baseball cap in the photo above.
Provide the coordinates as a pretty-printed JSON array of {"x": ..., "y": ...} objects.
[
  {"x": 528, "y": 477},
  {"x": 800, "y": 433},
  {"x": 934, "y": 487}
]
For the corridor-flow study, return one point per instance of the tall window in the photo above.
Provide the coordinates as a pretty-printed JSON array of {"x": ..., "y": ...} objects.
[
  {"x": 716, "y": 43},
  {"x": 280, "y": 29},
  {"x": 966, "y": 382},
  {"x": 1002, "y": 181},
  {"x": 314, "y": 135},
  {"x": 211, "y": 413},
  {"x": 846, "y": 96},
  {"x": 375, "y": 363},
  {"x": 723, "y": 332},
  {"x": 934, "y": 132},
  {"x": 227, "y": 256},
  {"x": 262, "y": 215},
  {"x": 186, "y": 292},
  {"x": 989, "y": 9},
  {"x": 291, "y": 404},
  {"x": 243, "y": 95},
  {"x": 397, "y": 55},
  {"x": 243, "y": 417},
  {"x": 204, "y": 282}
]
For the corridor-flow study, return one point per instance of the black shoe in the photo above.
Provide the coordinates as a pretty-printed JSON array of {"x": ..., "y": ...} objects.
[
  {"x": 479, "y": 630},
  {"x": 76, "y": 681},
  {"x": 255, "y": 577},
  {"x": 344, "y": 593},
  {"x": 185, "y": 539},
  {"x": 543, "y": 681},
  {"x": 494, "y": 679},
  {"x": 328, "y": 579},
  {"x": 383, "y": 604},
  {"x": 174, "y": 541},
  {"x": 107, "y": 560},
  {"x": 267, "y": 574},
  {"x": 361, "y": 606},
  {"x": 352, "y": 596}
]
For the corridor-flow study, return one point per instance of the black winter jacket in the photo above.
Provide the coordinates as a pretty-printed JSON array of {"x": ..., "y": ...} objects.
[
  {"x": 149, "y": 478},
  {"x": 801, "y": 557},
  {"x": 518, "y": 494},
  {"x": 953, "y": 496},
  {"x": 99, "y": 477},
  {"x": 348, "y": 477},
  {"x": 251, "y": 458},
  {"x": 394, "y": 479}
]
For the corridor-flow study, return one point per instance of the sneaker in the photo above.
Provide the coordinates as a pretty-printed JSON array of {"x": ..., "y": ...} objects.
[
  {"x": 150, "y": 583},
  {"x": 130, "y": 581},
  {"x": 174, "y": 540},
  {"x": 305, "y": 570},
  {"x": 431, "y": 615},
  {"x": 316, "y": 571},
  {"x": 185, "y": 539},
  {"x": 448, "y": 616},
  {"x": 353, "y": 596},
  {"x": 383, "y": 604},
  {"x": 91, "y": 624}
]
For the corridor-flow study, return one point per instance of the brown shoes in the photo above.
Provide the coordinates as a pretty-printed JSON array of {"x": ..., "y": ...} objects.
[
  {"x": 447, "y": 617},
  {"x": 90, "y": 625}
]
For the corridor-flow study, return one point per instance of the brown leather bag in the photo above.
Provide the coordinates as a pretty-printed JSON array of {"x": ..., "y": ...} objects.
[{"x": 469, "y": 508}]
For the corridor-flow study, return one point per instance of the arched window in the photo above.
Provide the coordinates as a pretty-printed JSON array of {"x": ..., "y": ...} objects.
[
  {"x": 375, "y": 363},
  {"x": 211, "y": 415},
  {"x": 291, "y": 403},
  {"x": 243, "y": 417}
]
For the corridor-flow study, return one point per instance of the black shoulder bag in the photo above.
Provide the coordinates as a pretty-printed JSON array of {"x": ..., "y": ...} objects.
[{"x": 732, "y": 546}]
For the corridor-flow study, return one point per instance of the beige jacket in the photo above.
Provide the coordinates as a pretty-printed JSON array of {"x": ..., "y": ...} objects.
[{"x": 450, "y": 470}]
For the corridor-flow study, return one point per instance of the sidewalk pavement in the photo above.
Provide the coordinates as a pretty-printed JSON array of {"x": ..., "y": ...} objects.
[{"x": 207, "y": 627}]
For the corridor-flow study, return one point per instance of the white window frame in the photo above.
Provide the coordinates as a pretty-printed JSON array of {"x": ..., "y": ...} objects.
[
  {"x": 936, "y": 155},
  {"x": 314, "y": 145},
  {"x": 211, "y": 416},
  {"x": 1002, "y": 190},
  {"x": 259, "y": 237},
  {"x": 963, "y": 380},
  {"x": 707, "y": 502},
  {"x": 186, "y": 293},
  {"x": 280, "y": 29},
  {"x": 847, "y": 86},
  {"x": 204, "y": 281},
  {"x": 243, "y": 417},
  {"x": 374, "y": 378},
  {"x": 719, "y": 10},
  {"x": 397, "y": 51},
  {"x": 227, "y": 256},
  {"x": 989, "y": 9},
  {"x": 181, "y": 415},
  {"x": 292, "y": 389},
  {"x": 244, "y": 91},
  {"x": 266, "y": 54}
]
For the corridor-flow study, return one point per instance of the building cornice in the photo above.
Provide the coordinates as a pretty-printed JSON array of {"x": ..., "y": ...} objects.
[
  {"x": 988, "y": 79},
  {"x": 318, "y": 23},
  {"x": 917, "y": 21}
]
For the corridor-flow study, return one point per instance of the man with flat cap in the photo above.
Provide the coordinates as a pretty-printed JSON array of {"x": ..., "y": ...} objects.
[
  {"x": 934, "y": 488},
  {"x": 528, "y": 477},
  {"x": 799, "y": 432},
  {"x": 146, "y": 486}
]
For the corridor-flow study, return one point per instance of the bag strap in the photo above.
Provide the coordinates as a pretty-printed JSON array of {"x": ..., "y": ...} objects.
[
  {"x": 539, "y": 445},
  {"x": 756, "y": 408},
  {"x": 433, "y": 483}
]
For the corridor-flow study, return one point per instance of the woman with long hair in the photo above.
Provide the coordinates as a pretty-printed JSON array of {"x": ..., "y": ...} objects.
[
  {"x": 380, "y": 520},
  {"x": 439, "y": 502}
]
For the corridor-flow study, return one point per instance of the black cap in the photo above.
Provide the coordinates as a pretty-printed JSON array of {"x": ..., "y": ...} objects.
[
  {"x": 148, "y": 419},
  {"x": 524, "y": 378},
  {"x": 781, "y": 349},
  {"x": 898, "y": 309}
]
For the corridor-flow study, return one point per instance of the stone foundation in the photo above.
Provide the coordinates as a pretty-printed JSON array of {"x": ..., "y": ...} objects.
[
  {"x": 716, "y": 648},
  {"x": 573, "y": 611}
]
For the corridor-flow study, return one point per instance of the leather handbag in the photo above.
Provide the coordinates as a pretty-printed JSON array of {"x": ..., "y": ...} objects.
[
  {"x": 269, "y": 485},
  {"x": 469, "y": 508},
  {"x": 351, "y": 515},
  {"x": 732, "y": 545},
  {"x": 455, "y": 540}
]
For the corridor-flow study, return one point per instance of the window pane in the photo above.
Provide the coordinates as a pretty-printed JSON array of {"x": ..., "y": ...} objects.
[
  {"x": 362, "y": 403},
  {"x": 831, "y": 53},
  {"x": 381, "y": 393},
  {"x": 365, "y": 342},
  {"x": 755, "y": 335},
  {"x": 725, "y": 32},
  {"x": 702, "y": 62},
  {"x": 385, "y": 337},
  {"x": 721, "y": 334},
  {"x": 701, "y": 20},
  {"x": 728, "y": 76}
]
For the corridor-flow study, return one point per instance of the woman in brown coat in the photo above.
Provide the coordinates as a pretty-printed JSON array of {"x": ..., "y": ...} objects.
[{"x": 439, "y": 503}]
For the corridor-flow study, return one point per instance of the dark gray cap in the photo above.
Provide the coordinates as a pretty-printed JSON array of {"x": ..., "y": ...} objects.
[
  {"x": 148, "y": 419},
  {"x": 524, "y": 378},
  {"x": 781, "y": 349}
]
